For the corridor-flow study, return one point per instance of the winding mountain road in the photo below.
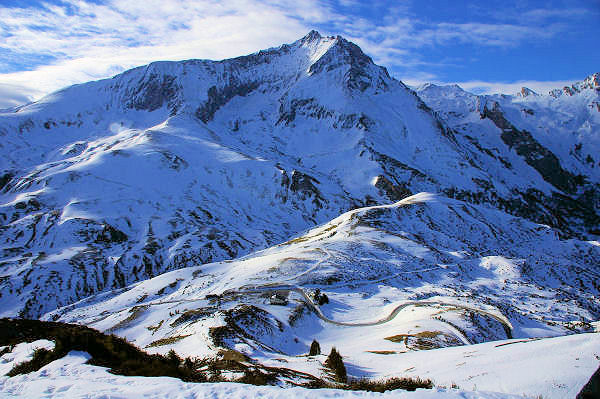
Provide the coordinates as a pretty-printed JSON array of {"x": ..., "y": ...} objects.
[{"x": 308, "y": 301}]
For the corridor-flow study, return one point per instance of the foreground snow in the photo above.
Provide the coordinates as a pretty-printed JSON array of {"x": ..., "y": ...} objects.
[
  {"x": 70, "y": 377},
  {"x": 551, "y": 368}
]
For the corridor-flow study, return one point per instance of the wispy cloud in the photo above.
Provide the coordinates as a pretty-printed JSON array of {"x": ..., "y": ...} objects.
[
  {"x": 12, "y": 95},
  {"x": 74, "y": 41},
  {"x": 540, "y": 87},
  {"x": 87, "y": 41}
]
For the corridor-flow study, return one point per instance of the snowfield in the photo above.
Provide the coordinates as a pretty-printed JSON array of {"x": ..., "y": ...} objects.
[{"x": 533, "y": 368}]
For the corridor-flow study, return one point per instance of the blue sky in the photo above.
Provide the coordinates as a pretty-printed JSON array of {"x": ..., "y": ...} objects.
[{"x": 485, "y": 46}]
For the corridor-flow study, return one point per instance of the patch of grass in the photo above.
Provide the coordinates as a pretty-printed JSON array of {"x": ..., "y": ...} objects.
[
  {"x": 422, "y": 334},
  {"x": 192, "y": 315},
  {"x": 155, "y": 328},
  {"x": 40, "y": 358},
  {"x": 166, "y": 341},
  {"x": 423, "y": 340},
  {"x": 398, "y": 338},
  {"x": 383, "y": 352},
  {"x": 405, "y": 383},
  {"x": 296, "y": 240},
  {"x": 233, "y": 355},
  {"x": 135, "y": 312},
  {"x": 300, "y": 239}
]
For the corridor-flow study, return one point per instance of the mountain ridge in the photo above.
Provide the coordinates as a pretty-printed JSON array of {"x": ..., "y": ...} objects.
[{"x": 116, "y": 181}]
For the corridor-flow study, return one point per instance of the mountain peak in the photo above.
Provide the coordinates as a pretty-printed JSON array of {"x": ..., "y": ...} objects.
[
  {"x": 312, "y": 36},
  {"x": 526, "y": 91},
  {"x": 591, "y": 82}
]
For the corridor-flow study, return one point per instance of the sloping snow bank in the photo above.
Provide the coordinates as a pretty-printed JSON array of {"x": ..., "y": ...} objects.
[
  {"x": 21, "y": 353},
  {"x": 70, "y": 377}
]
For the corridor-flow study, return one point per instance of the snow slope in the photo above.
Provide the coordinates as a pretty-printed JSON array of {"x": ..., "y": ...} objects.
[
  {"x": 549, "y": 373},
  {"x": 555, "y": 136}
]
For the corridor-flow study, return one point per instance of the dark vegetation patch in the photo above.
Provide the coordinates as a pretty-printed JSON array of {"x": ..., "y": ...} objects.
[
  {"x": 335, "y": 363},
  {"x": 123, "y": 358},
  {"x": 110, "y": 234},
  {"x": 6, "y": 349},
  {"x": 405, "y": 383},
  {"x": 4, "y": 179},
  {"x": 425, "y": 340},
  {"x": 338, "y": 370},
  {"x": 592, "y": 388},
  {"x": 106, "y": 350},
  {"x": 320, "y": 298},
  {"x": 315, "y": 348},
  {"x": 167, "y": 340}
]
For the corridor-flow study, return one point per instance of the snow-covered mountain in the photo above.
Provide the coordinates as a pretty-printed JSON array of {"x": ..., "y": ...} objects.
[
  {"x": 182, "y": 163},
  {"x": 555, "y": 137},
  {"x": 199, "y": 204}
]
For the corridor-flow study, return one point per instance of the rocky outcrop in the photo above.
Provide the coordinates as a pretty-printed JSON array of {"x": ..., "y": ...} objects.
[
  {"x": 219, "y": 96},
  {"x": 154, "y": 91},
  {"x": 537, "y": 156}
]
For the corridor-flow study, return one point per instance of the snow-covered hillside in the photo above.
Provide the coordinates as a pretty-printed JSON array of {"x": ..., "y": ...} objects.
[
  {"x": 555, "y": 136},
  {"x": 407, "y": 277},
  {"x": 70, "y": 377}
]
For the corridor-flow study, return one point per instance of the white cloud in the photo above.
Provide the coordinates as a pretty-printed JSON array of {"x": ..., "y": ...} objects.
[
  {"x": 86, "y": 41},
  {"x": 101, "y": 40},
  {"x": 540, "y": 87},
  {"x": 12, "y": 95}
]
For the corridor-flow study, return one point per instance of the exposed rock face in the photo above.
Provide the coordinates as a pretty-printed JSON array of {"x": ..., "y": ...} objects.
[
  {"x": 538, "y": 157},
  {"x": 217, "y": 97},
  {"x": 154, "y": 92},
  {"x": 525, "y": 91},
  {"x": 389, "y": 189},
  {"x": 592, "y": 82},
  {"x": 537, "y": 131}
]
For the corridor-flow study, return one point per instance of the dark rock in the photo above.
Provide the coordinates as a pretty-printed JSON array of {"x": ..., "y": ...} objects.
[
  {"x": 392, "y": 191},
  {"x": 537, "y": 156},
  {"x": 153, "y": 92},
  {"x": 219, "y": 96},
  {"x": 5, "y": 179},
  {"x": 111, "y": 235}
]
